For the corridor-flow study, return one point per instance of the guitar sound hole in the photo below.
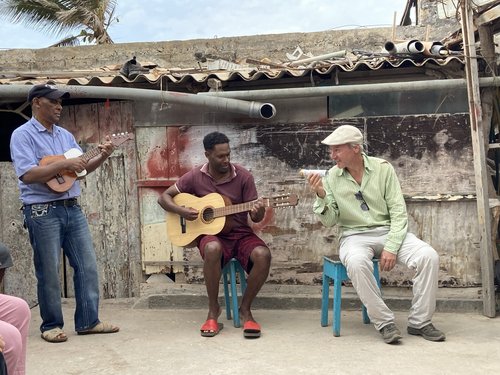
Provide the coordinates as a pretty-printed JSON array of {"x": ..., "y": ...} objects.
[{"x": 208, "y": 215}]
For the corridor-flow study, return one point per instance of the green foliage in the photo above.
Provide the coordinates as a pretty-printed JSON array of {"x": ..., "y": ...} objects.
[{"x": 62, "y": 17}]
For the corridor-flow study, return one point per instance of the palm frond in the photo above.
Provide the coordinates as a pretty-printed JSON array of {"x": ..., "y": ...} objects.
[
  {"x": 59, "y": 17},
  {"x": 69, "y": 41},
  {"x": 30, "y": 12}
]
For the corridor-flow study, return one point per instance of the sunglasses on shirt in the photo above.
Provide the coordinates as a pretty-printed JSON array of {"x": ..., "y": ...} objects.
[{"x": 359, "y": 197}]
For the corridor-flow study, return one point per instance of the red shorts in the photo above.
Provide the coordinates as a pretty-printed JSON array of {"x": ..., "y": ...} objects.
[{"x": 237, "y": 245}]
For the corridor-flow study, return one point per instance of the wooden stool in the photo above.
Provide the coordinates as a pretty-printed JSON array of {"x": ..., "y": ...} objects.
[
  {"x": 335, "y": 270},
  {"x": 229, "y": 271}
]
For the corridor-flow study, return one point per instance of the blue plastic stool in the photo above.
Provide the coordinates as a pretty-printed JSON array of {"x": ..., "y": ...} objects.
[
  {"x": 229, "y": 271},
  {"x": 335, "y": 270}
]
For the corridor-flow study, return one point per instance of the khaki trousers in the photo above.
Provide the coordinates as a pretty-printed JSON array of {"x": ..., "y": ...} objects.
[{"x": 356, "y": 253}]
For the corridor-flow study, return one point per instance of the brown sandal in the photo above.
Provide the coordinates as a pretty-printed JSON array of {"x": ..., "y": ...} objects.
[
  {"x": 101, "y": 327},
  {"x": 54, "y": 335}
]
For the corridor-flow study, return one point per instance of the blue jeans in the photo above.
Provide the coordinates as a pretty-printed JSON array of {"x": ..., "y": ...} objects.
[{"x": 52, "y": 228}]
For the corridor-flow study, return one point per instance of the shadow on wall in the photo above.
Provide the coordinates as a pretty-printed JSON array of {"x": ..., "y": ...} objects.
[{"x": 9, "y": 122}]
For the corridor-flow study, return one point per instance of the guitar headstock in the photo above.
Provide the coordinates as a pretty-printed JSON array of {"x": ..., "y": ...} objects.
[
  {"x": 284, "y": 200},
  {"x": 120, "y": 138}
]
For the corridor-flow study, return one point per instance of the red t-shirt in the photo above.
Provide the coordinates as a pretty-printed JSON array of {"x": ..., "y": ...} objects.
[{"x": 239, "y": 188}]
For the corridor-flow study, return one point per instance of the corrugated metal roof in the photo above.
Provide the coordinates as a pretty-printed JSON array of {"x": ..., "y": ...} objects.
[{"x": 158, "y": 77}]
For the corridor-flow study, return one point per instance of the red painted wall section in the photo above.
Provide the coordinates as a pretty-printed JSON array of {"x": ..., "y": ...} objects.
[
  {"x": 174, "y": 147},
  {"x": 157, "y": 162},
  {"x": 163, "y": 160}
]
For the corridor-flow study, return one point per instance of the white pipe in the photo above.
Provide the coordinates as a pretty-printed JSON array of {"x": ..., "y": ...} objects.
[
  {"x": 318, "y": 58},
  {"x": 412, "y": 46},
  {"x": 435, "y": 49},
  {"x": 373, "y": 88},
  {"x": 251, "y": 109},
  {"x": 20, "y": 92}
]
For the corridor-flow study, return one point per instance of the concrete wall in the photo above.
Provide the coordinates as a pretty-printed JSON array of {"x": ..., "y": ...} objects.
[{"x": 180, "y": 54}]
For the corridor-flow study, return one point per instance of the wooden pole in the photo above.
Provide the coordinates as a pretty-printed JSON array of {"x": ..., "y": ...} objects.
[
  {"x": 480, "y": 168},
  {"x": 394, "y": 27}
]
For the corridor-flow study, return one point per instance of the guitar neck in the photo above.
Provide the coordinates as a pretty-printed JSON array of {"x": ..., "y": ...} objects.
[
  {"x": 234, "y": 209},
  {"x": 90, "y": 154},
  {"x": 116, "y": 140}
]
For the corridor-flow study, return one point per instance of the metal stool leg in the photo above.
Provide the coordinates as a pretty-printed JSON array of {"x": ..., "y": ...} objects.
[
  {"x": 325, "y": 295},
  {"x": 336, "y": 271},
  {"x": 234, "y": 294},
  {"x": 243, "y": 280},
  {"x": 366, "y": 318},
  {"x": 337, "y": 304},
  {"x": 226, "y": 294}
]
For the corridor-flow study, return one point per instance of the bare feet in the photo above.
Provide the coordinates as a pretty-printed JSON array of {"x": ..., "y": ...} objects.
[
  {"x": 214, "y": 312},
  {"x": 246, "y": 315}
]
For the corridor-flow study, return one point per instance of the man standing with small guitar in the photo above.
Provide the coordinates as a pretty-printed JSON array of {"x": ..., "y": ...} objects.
[
  {"x": 236, "y": 240},
  {"x": 55, "y": 219}
]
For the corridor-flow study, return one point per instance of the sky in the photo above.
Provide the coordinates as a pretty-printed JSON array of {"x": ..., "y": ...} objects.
[{"x": 168, "y": 20}]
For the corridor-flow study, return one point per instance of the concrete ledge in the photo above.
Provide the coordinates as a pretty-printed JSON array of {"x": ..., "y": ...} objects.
[{"x": 301, "y": 297}]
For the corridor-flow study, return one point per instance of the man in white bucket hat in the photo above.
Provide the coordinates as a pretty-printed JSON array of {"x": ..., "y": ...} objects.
[{"x": 363, "y": 196}]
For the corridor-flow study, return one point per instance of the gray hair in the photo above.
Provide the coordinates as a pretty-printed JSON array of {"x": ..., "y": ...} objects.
[{"x": 357, "y": 144}]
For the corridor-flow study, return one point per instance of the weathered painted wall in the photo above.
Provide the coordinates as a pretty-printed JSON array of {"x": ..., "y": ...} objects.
[
  {"x": 431, "y": 154},
  {"x": 109, "y": 200}
]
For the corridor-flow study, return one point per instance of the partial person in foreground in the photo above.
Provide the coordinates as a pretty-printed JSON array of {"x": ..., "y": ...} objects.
[
  {"x": 55, "y": 219},
  {"x": 238, "y": 240},
  {"x": 15, "y": 316},
  {"x": 363, "y": 196}
]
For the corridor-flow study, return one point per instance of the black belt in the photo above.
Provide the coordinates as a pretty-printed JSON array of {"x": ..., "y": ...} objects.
[{"x": 63, "y": 202}]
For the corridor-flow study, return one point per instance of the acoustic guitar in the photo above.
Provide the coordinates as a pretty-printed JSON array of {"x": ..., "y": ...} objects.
[
  {"x": 213, "y": 209},
  {"x": 65, "y": 179}
]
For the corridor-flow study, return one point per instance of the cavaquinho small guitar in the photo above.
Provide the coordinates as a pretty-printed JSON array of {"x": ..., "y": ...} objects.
[
  {"x": 212, "y": 210},
  {"x": 65, "y": 179}
]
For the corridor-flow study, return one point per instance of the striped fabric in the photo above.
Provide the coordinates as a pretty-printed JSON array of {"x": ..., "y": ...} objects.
[{"x": 381, "y": 192}]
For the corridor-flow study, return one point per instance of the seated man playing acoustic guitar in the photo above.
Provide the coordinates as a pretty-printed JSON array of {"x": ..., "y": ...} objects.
[{"x": 236, "y": 183}]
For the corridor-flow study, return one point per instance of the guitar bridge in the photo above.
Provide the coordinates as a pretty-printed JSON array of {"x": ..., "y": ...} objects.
[
  {"x": 183, "y": 225},
  {"x": 60, "y": 178}
]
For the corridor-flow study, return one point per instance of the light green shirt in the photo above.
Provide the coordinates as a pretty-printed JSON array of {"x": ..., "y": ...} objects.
[{"x": 382, "y": 193}]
